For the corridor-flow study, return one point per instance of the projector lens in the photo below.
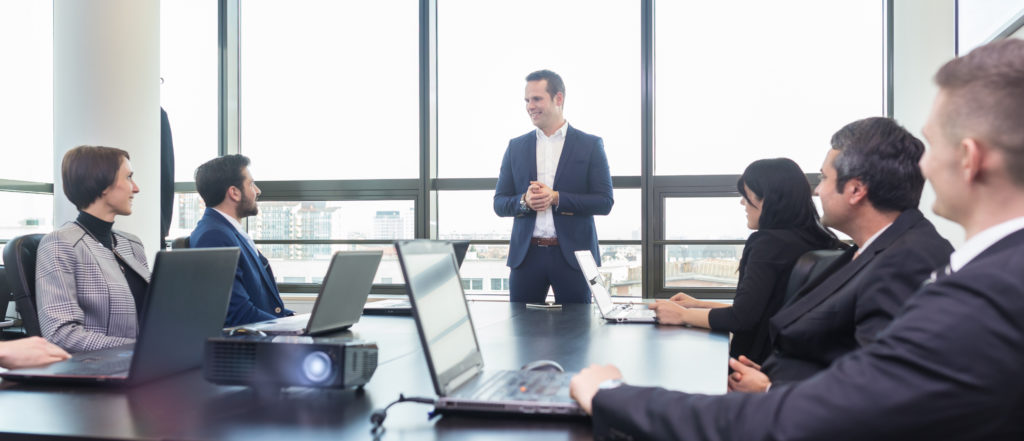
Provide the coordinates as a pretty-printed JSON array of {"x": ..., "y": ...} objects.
[{"x": 316, "y": 367}]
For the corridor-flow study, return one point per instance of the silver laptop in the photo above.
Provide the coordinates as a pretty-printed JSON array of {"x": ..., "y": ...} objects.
[
  {"x": 402, "y": 306},
  {"x": 453, "y": 353},
  {"x": 621, "y": 313},
  {"x": 185, "y": 304},
  {"x": 340, "y": 303}
]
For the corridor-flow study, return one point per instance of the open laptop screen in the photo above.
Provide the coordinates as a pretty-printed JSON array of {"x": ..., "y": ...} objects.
[
  {"x": 440, "y": 308},
  {"x": 589, "y": 268}
]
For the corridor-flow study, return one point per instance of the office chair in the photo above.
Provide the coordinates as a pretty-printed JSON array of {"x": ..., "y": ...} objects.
[
  {"x": 5, "y": 295},
  {"x": 180, "y": 243},
  {"x": 20, "y": 258},
  {"x": 809, "y": 267}
]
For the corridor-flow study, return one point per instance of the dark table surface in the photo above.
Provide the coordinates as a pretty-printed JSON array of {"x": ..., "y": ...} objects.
[{"x": 186, "y": 407}]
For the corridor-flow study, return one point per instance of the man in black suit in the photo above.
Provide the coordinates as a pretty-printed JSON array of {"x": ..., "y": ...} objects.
[
  {"x": 870, "y": 189},
  {"x": 948, "y": 366}
]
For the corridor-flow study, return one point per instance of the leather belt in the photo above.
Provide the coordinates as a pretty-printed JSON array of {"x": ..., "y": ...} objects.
[{"x": 544, "y": 241}]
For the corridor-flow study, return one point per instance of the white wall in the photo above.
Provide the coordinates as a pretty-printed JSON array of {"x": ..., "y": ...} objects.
[
  {"x": 924, "y": 40},
  {"x": 106, "y": 91}
]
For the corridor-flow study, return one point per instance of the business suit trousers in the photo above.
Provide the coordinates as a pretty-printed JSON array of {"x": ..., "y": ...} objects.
[{"x": 545, "y": 266}]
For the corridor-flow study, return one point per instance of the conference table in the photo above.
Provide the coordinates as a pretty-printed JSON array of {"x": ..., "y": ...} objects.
[{"x": 186, "y": 407}]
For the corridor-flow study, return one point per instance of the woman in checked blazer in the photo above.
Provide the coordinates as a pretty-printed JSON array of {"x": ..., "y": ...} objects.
[{"x": 91, "y": 280}]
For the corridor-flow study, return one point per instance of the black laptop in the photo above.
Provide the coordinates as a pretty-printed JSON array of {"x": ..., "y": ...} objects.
[
  {"x": 402, "y": 306},
  {"x": 186, "y": 304},
  {"x": 452, "y": 352},
  {"x": 340, "y": 303}
]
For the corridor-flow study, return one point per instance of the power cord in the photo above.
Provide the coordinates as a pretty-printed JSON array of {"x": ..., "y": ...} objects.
[{"x": 378, "y": 416}]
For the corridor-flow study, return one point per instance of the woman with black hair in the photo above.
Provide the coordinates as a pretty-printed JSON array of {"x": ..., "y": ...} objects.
[{"x": 777, "y": 199}]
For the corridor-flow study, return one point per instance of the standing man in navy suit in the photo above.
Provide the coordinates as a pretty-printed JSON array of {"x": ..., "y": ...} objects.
[
  {"x": 948, "y": 367},
  {"x": 227, "y": 188},
  {"x": 553, "y": 181}
]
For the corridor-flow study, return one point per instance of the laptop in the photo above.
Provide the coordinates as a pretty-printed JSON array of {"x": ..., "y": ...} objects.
[
  {"x": 621, "y": 313},
  {"x": 453, "y": 354},
  {"x": 340, "y": 303},
  {"x": 185, "y": 304},
  {"x": 402, "y": 306}
]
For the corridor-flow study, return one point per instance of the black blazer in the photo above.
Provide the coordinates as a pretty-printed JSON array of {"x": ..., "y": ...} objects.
[
  {"x": 948, "y": 367},
  {"x": 768, "y": 259},
  {"x": 852, "y": 305}
]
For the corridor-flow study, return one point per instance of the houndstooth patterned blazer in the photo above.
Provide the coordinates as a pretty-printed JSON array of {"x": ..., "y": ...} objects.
[{"x": 82, "y": 296}]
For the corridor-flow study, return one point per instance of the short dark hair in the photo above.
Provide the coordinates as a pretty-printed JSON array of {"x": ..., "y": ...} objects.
[
  {"x": 555, "y": 83},
  {"x": 216, "y": 176},
  {"x": 785, "y": 195},
  {"x": 884, "y": 156},
  {"x": 89, "y": 170},
  {"x": 985, "y": 99}
]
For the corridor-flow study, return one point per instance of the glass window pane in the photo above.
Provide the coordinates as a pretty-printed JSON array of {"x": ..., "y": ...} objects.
[
  {"x": 188, "y": 92},
  {"x": 486, "y": 262},
  {"x": 470, "y": 215},
  {"x": 485, "y": 51},
  {"x": 309, "y": 263},
  {"x": 25, "y": 213},
  {"x": 702, "y": 265},
  {"x": 314, "y": 87},
  {"x": 978, "y": 20},
  {"x": 26, "y": 90},
  {"x": 778, "y": 80},
  {"x": 188, "y": 209},
  {"x": 360, "y": 220},
  {"x": 720, "y": 218},
  {"x": 620, "y": 264},
  {"x": 623, "y": 223}
]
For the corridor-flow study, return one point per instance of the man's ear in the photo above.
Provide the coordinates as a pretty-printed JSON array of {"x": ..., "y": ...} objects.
[
  {"x": 974, "y": 156},
  {"x": 234, "y": 194},
  {"x": 559, "y": 99},
  {"x": 855, "y": 191}
]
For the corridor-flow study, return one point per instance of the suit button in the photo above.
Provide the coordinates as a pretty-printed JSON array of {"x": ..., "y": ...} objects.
[{"x": 277, "y": 310}]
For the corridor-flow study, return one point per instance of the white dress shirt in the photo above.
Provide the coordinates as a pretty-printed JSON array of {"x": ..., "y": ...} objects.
[
  {"x": 867, "y": 243},
  {"x": 238, "y": 226},
  {"x": 982, "y": 241},
  {"x": 549, "y": 150}
]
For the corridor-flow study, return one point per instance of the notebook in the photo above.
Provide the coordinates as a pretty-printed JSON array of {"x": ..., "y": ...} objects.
[
  {"x": 621, "y": 313},
  {"x": 402, "y": 306},
  {"x": 453, "y": 354},
  {"x": 185, "y": 304},
  {"x": 340, "y": 303}
]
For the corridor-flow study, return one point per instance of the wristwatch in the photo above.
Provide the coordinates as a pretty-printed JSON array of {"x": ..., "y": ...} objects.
[
  {"x": 610, "y": 383},
  {"x": 522, "y": 203}
]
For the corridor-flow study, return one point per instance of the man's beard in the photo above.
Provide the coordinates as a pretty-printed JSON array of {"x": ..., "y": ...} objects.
[{"x": 248, "y": 208}]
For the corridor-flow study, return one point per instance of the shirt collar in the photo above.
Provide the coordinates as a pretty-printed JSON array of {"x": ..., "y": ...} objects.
[
  {"x": 871, "y": 239},
  {"x": 234, "y": 223},
  {"x": 982, "y": 241},
  {"x": 560, "y": 132}
]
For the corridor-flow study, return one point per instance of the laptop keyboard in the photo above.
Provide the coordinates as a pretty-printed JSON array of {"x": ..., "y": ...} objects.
[
  {"x": 526, "y": 386},
  {"x": 90, "y": 365}
]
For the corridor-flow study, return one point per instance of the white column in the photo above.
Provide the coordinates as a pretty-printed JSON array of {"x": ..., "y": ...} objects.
[
  {"x": 106, "y": 91},
  {"x": 924, "y": 39}
]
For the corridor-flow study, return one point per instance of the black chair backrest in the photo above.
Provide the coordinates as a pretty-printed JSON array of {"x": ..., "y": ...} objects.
[
  {"x": 20, "y": 258},
  {"x": 180, "y": 243},
  {"x": 5, "y": 293},
  {"x": 808, "y": 267}
]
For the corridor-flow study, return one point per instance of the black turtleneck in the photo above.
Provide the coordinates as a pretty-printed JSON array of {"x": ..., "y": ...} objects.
[{"x": 101, "y": 230}]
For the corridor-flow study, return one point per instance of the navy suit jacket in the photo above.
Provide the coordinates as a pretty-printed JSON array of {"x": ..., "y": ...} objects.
[
  {"x": 852, "y": 305},
  {"x": 584, "y": 187},
  {"x": 254, "y": 296},
  {"x": 948, "y": 367}
]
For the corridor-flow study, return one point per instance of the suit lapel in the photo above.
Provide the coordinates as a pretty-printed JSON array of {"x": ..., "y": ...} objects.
[
  {"x": 531, "y": 158},
  {"x": 808, "y": 301},
  {"x": 124, "y": 248},
  {"x": 254, "y": 256},
  {"x": 567, "y": 149}
]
